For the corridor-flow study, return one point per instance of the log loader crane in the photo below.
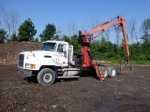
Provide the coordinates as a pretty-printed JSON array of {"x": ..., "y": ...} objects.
[
  {"x": 56, "y": 58},
  {"x": 86, "y": 38}
]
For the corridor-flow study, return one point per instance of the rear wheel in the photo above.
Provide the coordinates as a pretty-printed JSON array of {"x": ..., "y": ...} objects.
[
  {"x": 46, "y": 77},
  {"x": 104, "y": 71},
  {"x": 112, "y": 72}
]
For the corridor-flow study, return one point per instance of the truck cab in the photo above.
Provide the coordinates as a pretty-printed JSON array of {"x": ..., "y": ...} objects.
[
  {"x": 49, "y": 63},
  {"x": 57, "y": 51}
]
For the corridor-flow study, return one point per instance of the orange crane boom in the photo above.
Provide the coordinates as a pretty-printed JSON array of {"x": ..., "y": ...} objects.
[{"x": 84, "y": 40}]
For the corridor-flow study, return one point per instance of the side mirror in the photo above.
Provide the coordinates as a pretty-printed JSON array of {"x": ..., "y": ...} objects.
[{"x": 65, "y": 52}]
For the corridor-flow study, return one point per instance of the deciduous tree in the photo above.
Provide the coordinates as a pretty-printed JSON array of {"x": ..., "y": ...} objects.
[
  {"x": 10, "y": 19},
  {"x": 71, "y": 28},
  {"x": 146, "y": 29},
  {"x": 132, "y": 30},
  {"x": 117, "y": 31}
]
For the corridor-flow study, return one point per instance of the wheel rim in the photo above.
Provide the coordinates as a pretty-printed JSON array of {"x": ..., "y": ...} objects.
[
  {"x": 47, "y": 77},
  {"x": 104, "y": 73},
  {"x": 113, "y": 72}
]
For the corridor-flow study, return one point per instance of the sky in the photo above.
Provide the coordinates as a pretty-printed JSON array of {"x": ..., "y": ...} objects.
[{"x": 60, "y": 12}]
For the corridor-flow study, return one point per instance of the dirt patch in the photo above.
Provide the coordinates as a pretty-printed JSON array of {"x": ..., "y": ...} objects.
[
  {"x": 9, "y": 51},
  {"x": 125, "y": 93}
]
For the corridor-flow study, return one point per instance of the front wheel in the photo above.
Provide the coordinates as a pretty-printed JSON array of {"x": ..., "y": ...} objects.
[{"x": 46, "y": 77}]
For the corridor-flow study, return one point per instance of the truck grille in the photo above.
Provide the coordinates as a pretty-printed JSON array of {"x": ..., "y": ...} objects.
[{"x": 21, "y": 60}]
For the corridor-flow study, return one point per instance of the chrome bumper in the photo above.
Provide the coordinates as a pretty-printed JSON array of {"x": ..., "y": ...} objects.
[{"x": 23, "y": 72}]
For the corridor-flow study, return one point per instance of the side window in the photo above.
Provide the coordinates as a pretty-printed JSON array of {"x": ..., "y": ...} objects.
[{"x": 60, "y": 48}]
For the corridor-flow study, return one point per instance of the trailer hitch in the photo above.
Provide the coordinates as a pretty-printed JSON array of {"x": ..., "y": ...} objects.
[{"x": 126, "y": 63}]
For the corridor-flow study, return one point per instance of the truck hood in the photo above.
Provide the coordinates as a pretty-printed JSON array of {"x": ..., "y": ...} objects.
[
  {"x": 38, "y": 58},
  {"x": 39, "y": 53}
]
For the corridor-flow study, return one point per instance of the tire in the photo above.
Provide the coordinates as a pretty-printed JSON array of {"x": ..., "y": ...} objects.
[
  {"x": 104, "y": 72},
  {"x": 46, "y": 77},
  {"x": 112, "y": 72}
]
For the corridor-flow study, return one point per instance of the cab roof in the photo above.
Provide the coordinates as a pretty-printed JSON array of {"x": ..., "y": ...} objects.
[{"x": 55, "y": 41}]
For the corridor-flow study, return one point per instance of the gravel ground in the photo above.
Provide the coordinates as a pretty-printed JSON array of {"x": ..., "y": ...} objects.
[{"x": 128, "y": 92}]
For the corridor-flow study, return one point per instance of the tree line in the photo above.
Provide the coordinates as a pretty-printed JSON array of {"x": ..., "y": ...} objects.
[{"x": 102, "y": 49}]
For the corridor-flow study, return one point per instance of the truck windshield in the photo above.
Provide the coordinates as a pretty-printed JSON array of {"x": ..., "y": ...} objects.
[{"x": 49, "y": 46}]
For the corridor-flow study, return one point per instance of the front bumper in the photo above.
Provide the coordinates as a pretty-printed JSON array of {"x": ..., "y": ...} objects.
[{"x": 24, "y": 73}]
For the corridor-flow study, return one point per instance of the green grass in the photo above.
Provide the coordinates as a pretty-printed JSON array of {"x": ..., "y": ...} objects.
[{"x": 133, "y": 62}]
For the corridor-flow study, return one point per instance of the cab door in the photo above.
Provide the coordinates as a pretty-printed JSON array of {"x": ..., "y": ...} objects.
[{"x": 61, "y": 55}]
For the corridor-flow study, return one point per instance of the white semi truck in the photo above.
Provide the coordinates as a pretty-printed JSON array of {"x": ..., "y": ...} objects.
[{"x": 55, "y": 60}]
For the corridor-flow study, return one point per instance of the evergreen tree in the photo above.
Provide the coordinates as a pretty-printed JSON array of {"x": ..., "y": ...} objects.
[
  {"x": 36, "y": 40},
  {"x": 48, "y": 33},
  {"x": 14, "y": 37},
  {"x": 27, "y": 31},
  {"x": 2, "y": 36},
  {"x": 74, "y": 42}
]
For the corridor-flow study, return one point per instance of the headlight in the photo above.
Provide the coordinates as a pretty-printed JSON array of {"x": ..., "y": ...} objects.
[{"x": 28, "y": 65}]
